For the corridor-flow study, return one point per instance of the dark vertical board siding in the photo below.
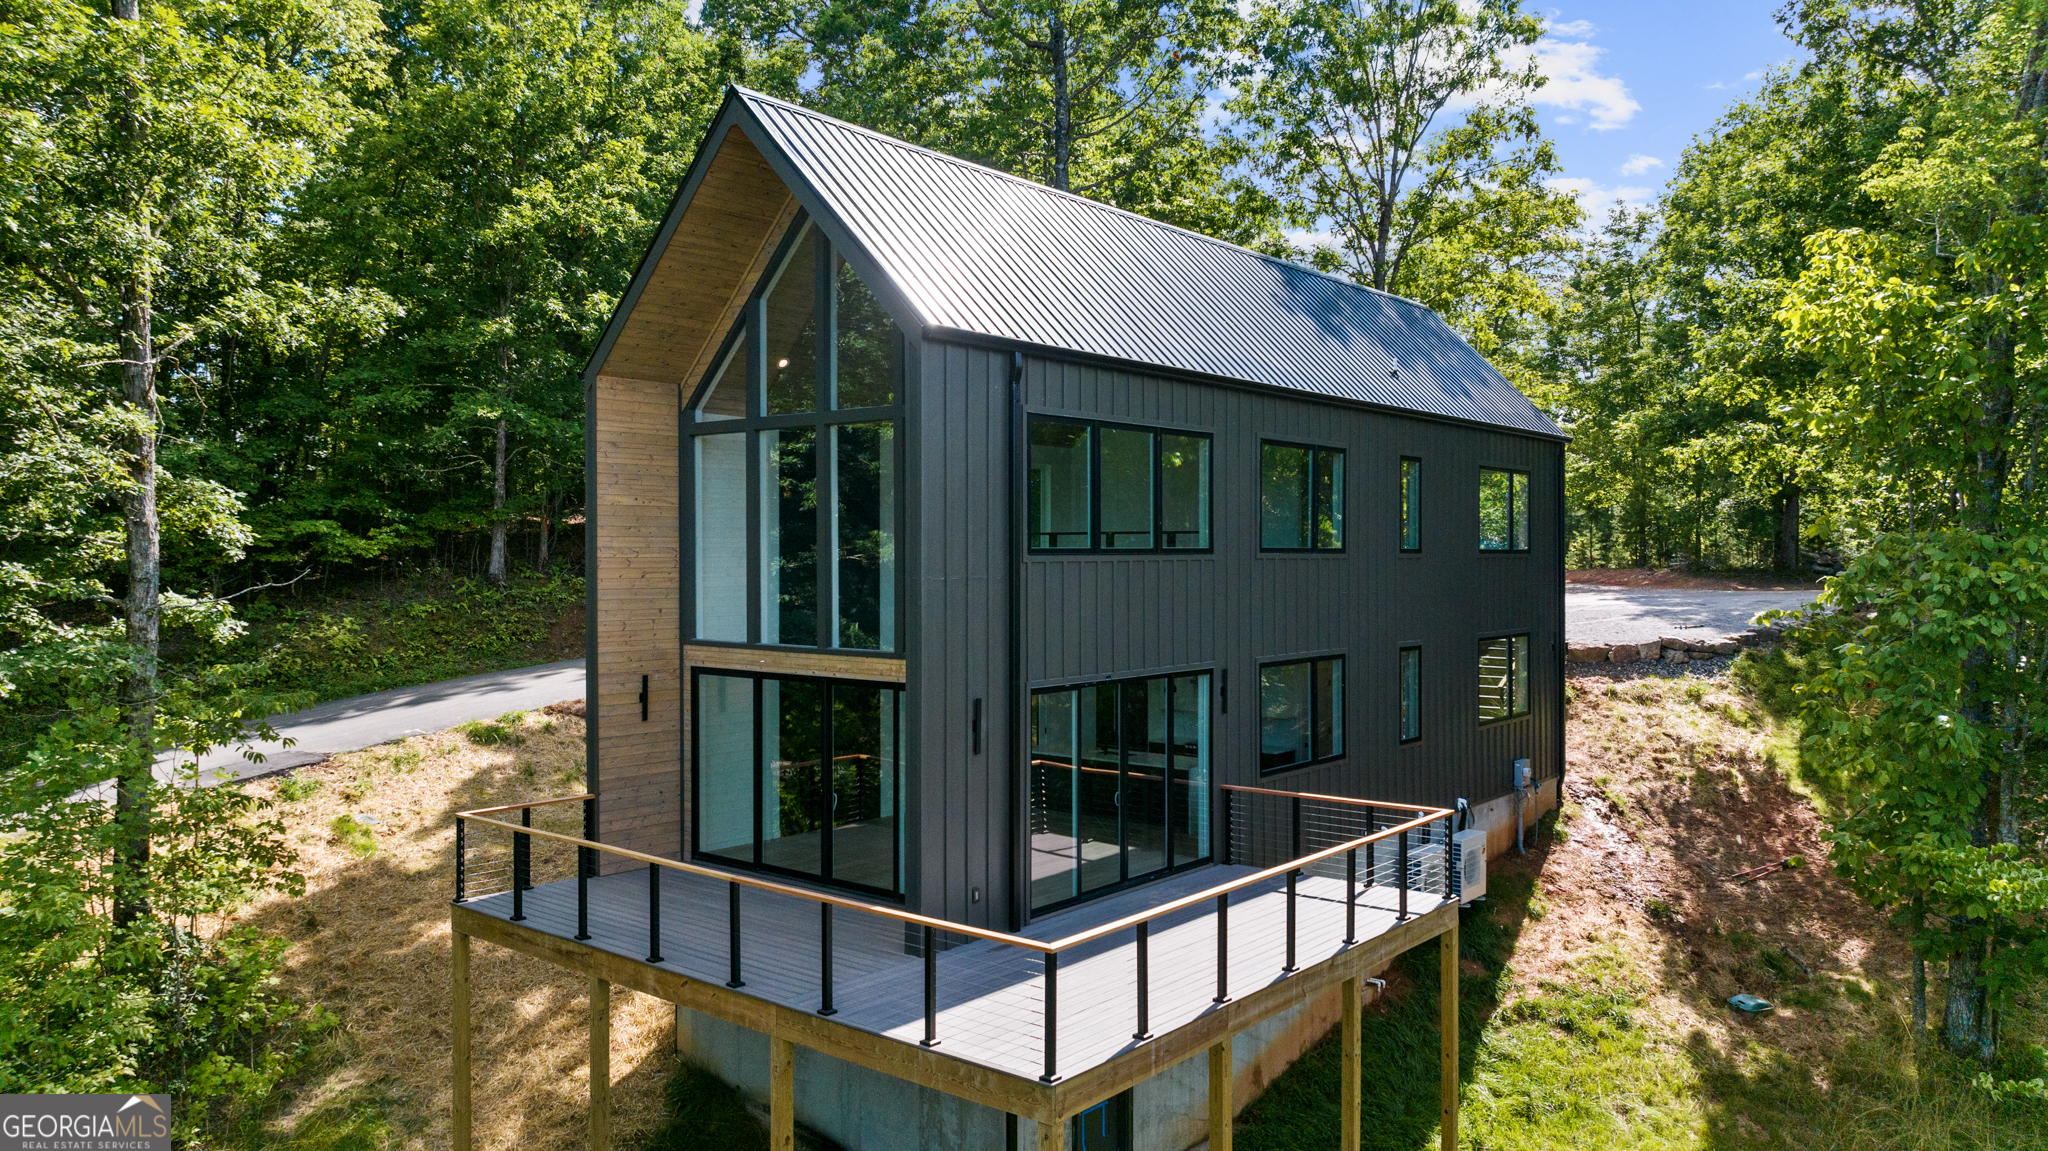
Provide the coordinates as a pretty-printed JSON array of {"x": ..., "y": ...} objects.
[
  {"x": 960, "y": 590},
  {"x": 1117, "y": 615}
]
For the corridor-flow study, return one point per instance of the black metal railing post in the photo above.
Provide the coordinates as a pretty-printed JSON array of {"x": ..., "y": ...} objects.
[
  {"x": 732, "y": 935},
  {"x": 825, "y": 959},
  {"x": 461, "y": 859},
  {"x": 1295, "y": 842},
  {"x": 1444, "y": 875},
  {"x": 654, "y": 913},
  {"x": 1144, "y": 1030},
  {"x": 1223, "y": 948},
  {"x": 583, "y": 869},
  {"x": 1290, "y": 919},
  {"x": 1052, "y": 1017},
  {"x": 1401, "y": 865},
  {"x": 1372, "y": 870},
  {"x": 519, "y": 866},
  {"x": 931, "y": 988},
  {"x": 1351, "y": 897}
]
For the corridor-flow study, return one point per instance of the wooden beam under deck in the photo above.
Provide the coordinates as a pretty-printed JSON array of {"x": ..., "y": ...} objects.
[{"x": 1048, "y": 1104}]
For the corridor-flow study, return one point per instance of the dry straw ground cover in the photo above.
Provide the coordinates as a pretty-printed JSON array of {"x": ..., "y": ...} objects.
[{"x": 370, "y": 942}]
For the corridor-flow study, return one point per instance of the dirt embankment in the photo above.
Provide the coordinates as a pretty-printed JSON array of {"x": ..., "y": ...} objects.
[{"x": 1684, "y": 581}]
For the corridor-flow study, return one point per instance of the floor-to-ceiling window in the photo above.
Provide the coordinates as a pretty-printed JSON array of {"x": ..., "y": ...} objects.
[
  {"x": 1119, "y": 783},
  {"x": 800, "y": 776},
  {"x": 793, "y": 458}
]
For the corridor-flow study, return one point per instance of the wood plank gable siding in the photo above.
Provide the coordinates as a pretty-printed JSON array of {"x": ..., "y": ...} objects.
[{"x": 694, "y": 291}]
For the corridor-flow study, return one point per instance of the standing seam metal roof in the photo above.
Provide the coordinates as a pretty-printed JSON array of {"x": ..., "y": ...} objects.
[{"x": 985, "y": 252}]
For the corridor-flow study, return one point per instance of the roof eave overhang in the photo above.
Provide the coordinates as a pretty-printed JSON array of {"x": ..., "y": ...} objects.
[{"x": 946, "y": 335}]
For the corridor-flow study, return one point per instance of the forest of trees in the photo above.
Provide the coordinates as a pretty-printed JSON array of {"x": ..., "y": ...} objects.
[{"x": 306, "y": 287}]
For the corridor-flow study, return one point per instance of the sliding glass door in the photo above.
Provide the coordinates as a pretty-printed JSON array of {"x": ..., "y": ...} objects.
[
  {"x": 1119, "y": 784},
  {"x": 800, "y": 776}
]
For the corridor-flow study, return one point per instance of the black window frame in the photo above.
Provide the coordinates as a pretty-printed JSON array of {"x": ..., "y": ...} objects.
[
  {"x": 1518, "y": 488},
  {"x": 1342, "y": 741},
  {"x": 1401, "y": 693},
  {"x": 743, "y": 347},
  {"x": 1095, "y": 428},
  {"x": 1411, "y": 505},
  {"x": 826, "y": 684},
  {"x": 1518, "y": 705},
  {"x": 1316, "y": 452}
]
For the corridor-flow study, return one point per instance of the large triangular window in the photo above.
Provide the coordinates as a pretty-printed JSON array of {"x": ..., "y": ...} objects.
[{"x": 794, "y": 461}]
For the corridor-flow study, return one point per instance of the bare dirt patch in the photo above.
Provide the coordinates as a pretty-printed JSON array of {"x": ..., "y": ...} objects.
[
  {"x": 1673, "y": 789},
  {"x": 1685, "y": 581},
  {"x": 370, "y": 942}
]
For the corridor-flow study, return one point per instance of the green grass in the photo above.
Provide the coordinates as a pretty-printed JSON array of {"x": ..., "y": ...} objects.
[
  {"x": 1589, "y": 1065},
  {"x": 354, "y": 835},
  {"x": 704, "y": 1113}
]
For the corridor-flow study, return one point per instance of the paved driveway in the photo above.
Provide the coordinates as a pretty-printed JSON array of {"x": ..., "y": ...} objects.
[
  {"x": 1613, "y": 615},
  {"x": 380, "y": 717}
]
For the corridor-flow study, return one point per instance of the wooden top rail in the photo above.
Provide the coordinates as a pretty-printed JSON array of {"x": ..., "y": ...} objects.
[
  {"x": 524, "y": 806},
  {"x": 1424, "y": 815}
]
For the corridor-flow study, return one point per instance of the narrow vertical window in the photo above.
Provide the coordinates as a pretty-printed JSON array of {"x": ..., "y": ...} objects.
[
  {"x": 725, "y": 398},
  {"x": 1411, "y": 694},
  {"x": 1301, "y": 713},
  {"x": 1503, "y": 677},
  {"x": 1411, "y": 506},
  {"x": 792, "y": 331},
  {"x": 725, "y": 766},
  {"x": 865, "y": 550},
  {"x": 1126, "y": 489},
  {"x": 1301, "y": 498},
  {"x": 721, "y": 531},
  {"x": 1059, "y": 485},
  {"x": 1503, "y": 510},
  {"x": 789, "y": 536},
  {"x": 1184, "y": 491}
]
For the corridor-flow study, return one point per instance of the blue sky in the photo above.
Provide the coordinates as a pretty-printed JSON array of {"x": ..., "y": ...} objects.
[{"x": 1631, "y": 85}]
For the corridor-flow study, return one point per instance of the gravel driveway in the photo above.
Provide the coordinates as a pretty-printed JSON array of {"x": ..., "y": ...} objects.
[{"x": 1618, "y": 615}]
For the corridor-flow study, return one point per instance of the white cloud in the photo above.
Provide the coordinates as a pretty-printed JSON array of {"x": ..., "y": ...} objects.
[
  {"x": 1575, "y": 28},
  {"x": 1637, "y": 164},
  {"x": 1716, "y": 86},
  {"x": 1574, "y": 83},
  {"x": 1595, "y": 196},
  {"x": 1756, "y": 75}
]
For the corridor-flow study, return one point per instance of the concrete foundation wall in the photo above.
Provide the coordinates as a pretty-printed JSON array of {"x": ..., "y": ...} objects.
[{"x": 1497, "y": 817}]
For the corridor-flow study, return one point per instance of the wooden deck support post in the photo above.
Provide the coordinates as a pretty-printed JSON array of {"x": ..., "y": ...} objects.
[
  {"x": 600, "y": 1064},
  {"x": 1447, "y": 991},
  {"x": 1222, "y": 1116},
  {"x": 1052, "y": 1135},
  {"x": 459, "y": 1024},
  {"x": 1352, "y": 1039},
  {"x": 781, "y": 1094}
]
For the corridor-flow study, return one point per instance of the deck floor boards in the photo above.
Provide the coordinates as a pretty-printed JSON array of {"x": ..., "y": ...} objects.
[{"x": 990, "y": 996}]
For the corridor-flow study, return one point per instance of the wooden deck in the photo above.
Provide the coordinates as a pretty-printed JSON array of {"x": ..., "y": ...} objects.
[{"x": 991, "y": 996}]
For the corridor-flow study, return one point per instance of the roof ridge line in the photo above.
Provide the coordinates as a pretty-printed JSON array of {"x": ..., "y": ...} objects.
[{"x": 1034, "y": 185}]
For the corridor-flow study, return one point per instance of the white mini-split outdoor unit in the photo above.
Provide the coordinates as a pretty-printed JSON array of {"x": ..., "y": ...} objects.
[{"x": 1468, "y": 865}]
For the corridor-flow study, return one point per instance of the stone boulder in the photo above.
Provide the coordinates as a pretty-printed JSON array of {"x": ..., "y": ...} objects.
[
  {"x": 1624, "y": 653},
  {"x": 1585, "y": 653},
  {"x": 1727, "y": 646},
  {"x": 1674, "y": 655}
]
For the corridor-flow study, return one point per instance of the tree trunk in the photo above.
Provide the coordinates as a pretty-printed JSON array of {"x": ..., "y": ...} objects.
[
  {"x": 1062, "y": 103},
  {"x": 141, "y": 608},
  {"x": 1966, "y": 1024},
  {"x": 1788, "y": 527},
  {"x": 547, "y": 515},
  {"x": 1919, "y": 1003},
  {"x": 496, "y": 571}
]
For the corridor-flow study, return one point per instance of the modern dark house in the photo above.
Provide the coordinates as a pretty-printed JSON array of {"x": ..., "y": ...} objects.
[{"x": 1031, "y": 645}]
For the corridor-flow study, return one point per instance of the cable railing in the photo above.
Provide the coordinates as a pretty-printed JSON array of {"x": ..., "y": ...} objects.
[{"x": 1281, "y": 835}]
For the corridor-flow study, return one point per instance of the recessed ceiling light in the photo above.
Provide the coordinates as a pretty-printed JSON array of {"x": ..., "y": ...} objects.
[{"x": 782, "y": 363}]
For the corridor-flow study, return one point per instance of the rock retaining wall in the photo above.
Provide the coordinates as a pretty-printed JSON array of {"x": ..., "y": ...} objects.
[{"x": 1670, "y": 649}]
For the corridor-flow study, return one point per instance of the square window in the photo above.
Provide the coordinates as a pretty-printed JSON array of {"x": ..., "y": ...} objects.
[
  {"x": 1503, "y": 677},
  {"x": 1301, "y": 498},
  {"x": 1301, "y": 713},
  {"x": 1503, "y": 510}
]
